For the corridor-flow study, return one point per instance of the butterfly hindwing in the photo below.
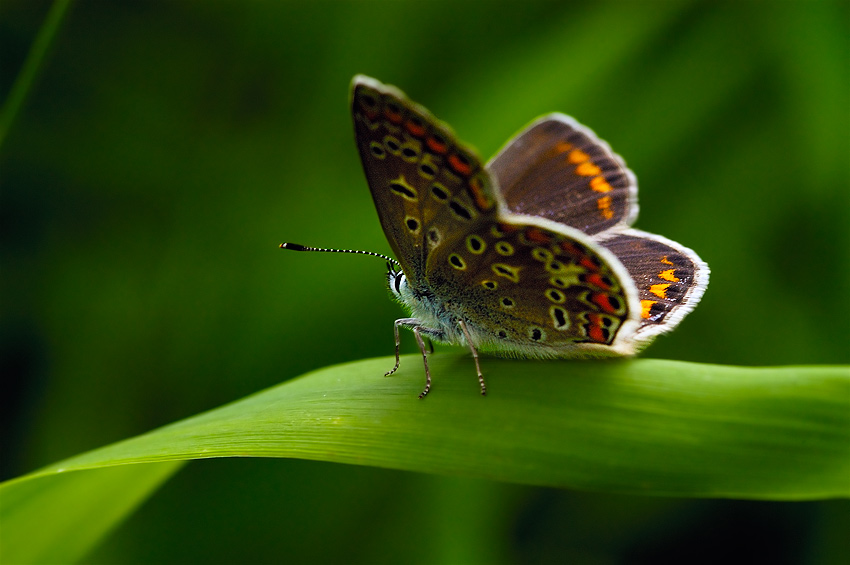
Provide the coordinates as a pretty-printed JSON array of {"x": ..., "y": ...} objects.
[
  {"x": 536, "y": 288},
  {"x": 558, "y": 169},
  {"x": 669, "y": 277}
]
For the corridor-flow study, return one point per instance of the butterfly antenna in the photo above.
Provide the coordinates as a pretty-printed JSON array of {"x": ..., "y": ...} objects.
[{"x": 298, "y": 247}]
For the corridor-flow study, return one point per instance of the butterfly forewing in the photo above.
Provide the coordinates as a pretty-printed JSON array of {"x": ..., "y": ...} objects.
[
  {"x": 559, "y": 170},
  {"x": 428, "y": 189}
]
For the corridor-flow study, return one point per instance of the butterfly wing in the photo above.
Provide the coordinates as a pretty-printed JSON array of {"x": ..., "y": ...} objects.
[
  {"x": 524, "y": 285},
  {"x": 669, "y": 277},
  {"x": 538, "y": 289},
  {"x": 558, "y": 169},
  {"x": 426, "y": 186}
]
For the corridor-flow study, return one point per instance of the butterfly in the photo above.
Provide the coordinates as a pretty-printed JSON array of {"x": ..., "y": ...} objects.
[{"x": 531, "y": 255}]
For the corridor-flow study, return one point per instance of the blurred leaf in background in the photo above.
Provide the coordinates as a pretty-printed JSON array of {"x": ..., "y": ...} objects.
[{"x": 168, "y": 147}]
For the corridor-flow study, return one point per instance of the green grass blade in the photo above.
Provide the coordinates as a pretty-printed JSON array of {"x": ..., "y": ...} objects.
[
  {"x": 637, "y": 426},
  {"x": 32, "y": 65},
  {"x": 643, "y": 427},
  {"x": 60, "y": 517}
]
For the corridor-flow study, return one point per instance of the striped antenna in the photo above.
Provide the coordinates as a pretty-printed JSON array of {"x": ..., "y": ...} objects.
[{"x": 298, "y": 247}]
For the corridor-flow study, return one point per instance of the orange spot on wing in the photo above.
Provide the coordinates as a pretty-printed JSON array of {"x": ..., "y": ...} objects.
[
  {"x": 596, "y": 280},
  {"x": 416, "y": 130},
  {"x": 599, "y": 184},
  {"x": 570, "y": 248},
  {"x": 668, "y": 275},
  {"x": 589, "y": 263},
  {"x": 482, "y": 202},
  {"x": 459, "y": 165},
  {"x": 394, "y": 117},
  {"x": 666, "y": 261},
  {"x": 507, "y": 228},
  {"x": 436, "y": 145},
  {"x": 645, "y": 307},
  {"x": 588, "y": 169},
  {"x": 596, "y": 334},
  {"x": 659, "y": 290},
  {"x": 604, "y": 205},
  {"x": 604, "y": 302},
  {"x": 563, "y": 147},
  {"x": 577, "y": 156},
  {"x": 537, "y": 236}
]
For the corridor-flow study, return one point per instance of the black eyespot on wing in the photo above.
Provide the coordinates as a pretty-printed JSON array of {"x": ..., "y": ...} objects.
[
  {"x": 439, "y": 192},
  {"x": 560, "y": 317},
  {"x": 460, "y": 210},
  {"x": 399, "y": 188}
]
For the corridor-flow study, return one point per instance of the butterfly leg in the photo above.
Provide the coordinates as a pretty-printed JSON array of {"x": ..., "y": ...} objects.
[
  {"x": 465, "y": 331},
  {"x": 424, "y": 361},
  {"x": 407, "y": 322}
]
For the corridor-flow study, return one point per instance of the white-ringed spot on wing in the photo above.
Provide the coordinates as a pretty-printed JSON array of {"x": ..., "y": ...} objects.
[
  {"x": 541, "y": 254},
  {"x": 475, "y": 244},
  {"x": 457, "y": 262},
  {"x": 555, "y": 295},
  {"x": 536, "y": 334},
  {"x": 440, "y": 192},
  {"x": 404, "y": 189},
  {"x": 507, "y": 302},
  {"x": 504, "y": 248},
  {"x": 392, "y": 144},
  {"x": 410, "y": 151},
  {"x": 490, "y": 285},
  {"x": 428, "y": 168},
  {"x": 568, "y": 270},
  {"x": 503, "y": 334},
  {"x": 434, "y": 237},
  {"x": 377, "y": 150},
  {"x": 510, "y": 273},
  {"x": 560, "y": 318},
  {"x": 412, "y": 224}
]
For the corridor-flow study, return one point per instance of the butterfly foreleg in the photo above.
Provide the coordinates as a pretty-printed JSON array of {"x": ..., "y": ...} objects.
[
  {"x": 416, "y": 326},
  {"x": 408, "y": 323},
  {"x": 471, "y": 345}
]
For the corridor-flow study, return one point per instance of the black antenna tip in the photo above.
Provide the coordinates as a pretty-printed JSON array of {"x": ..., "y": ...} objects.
[{"x": 293, "y": 246}]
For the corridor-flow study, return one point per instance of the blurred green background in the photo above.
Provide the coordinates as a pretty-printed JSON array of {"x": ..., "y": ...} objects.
[{"x": 168, "y": 147}]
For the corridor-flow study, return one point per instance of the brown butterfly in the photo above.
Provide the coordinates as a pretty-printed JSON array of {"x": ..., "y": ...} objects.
[{"x": 530, "y": 255}]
